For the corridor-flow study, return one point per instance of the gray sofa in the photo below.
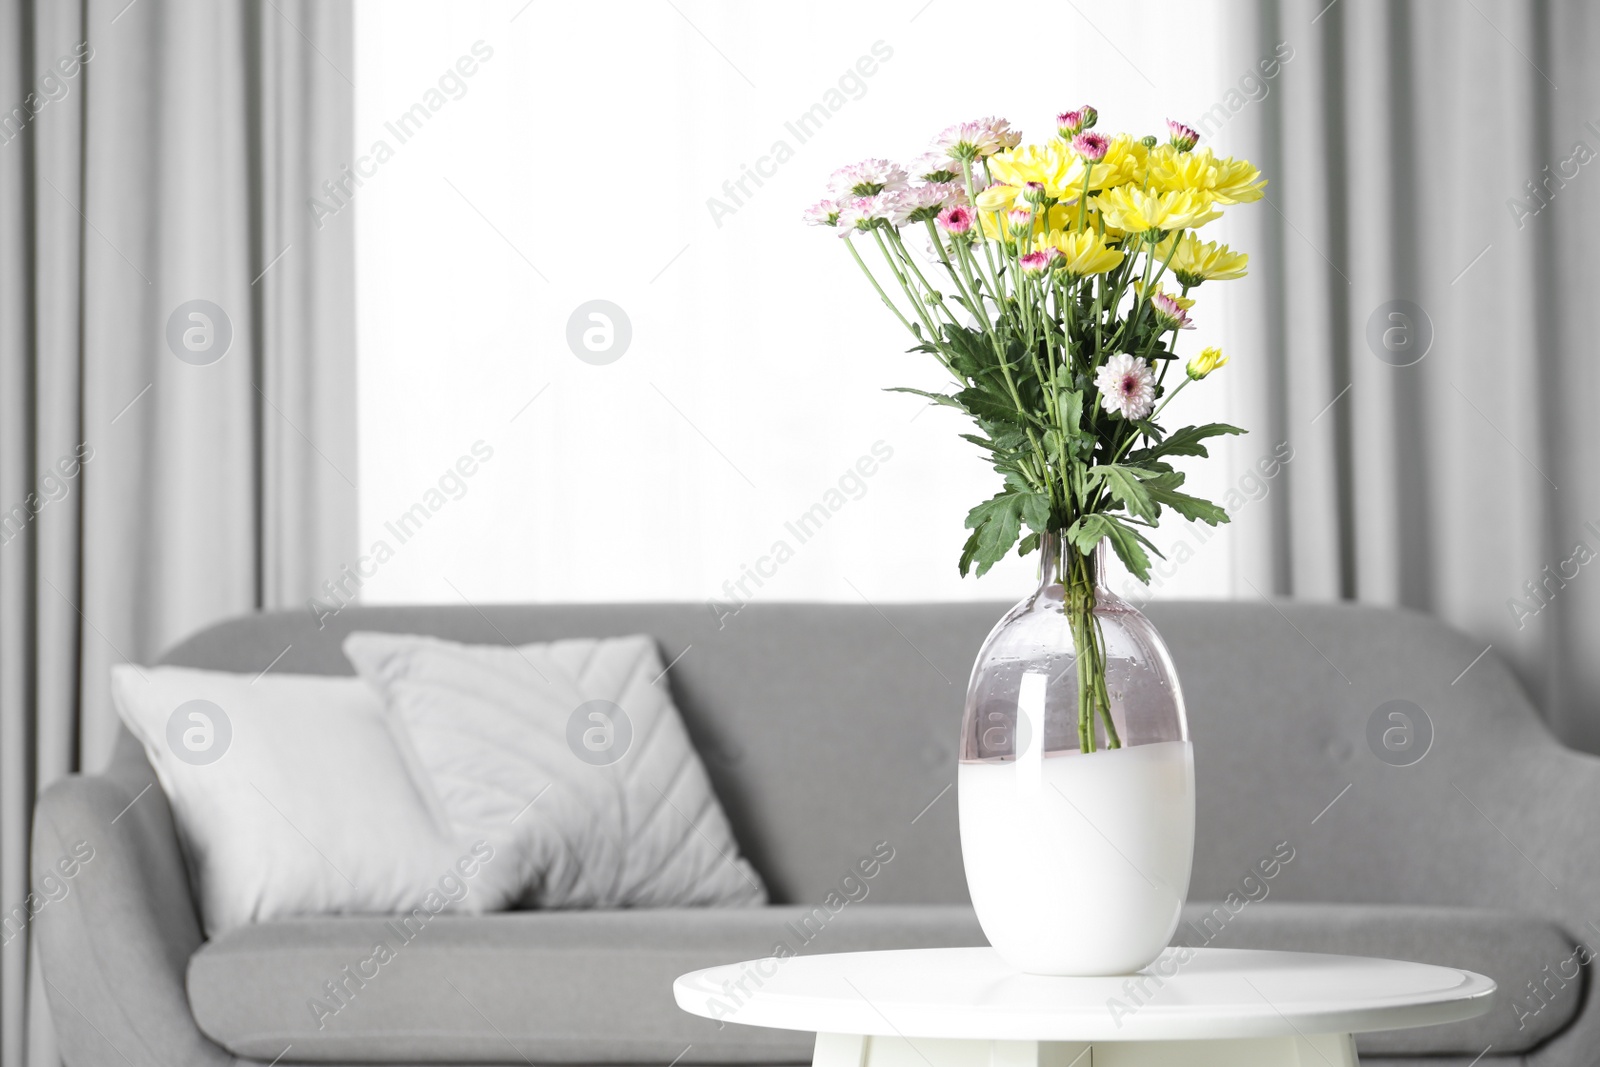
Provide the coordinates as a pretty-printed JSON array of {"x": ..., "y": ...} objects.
[{"x": 829, "y": 733}]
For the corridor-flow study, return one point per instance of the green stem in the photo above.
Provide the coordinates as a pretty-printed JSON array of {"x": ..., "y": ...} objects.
[
  {"x": 1145, "y": 287},
  {"x": 949, "y": 268},
  {"x": 916, "y": 302},
  {"x": 1094, "y": 697},
  {"x": 988, "y": 255},
  {"x": 1102, "y": 697},
  {"x": 968, "y": 264},
  {"x": 850, "y": 243}
]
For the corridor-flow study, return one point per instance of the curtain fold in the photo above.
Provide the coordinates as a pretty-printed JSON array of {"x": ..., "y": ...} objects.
[
  {"x": 1420, "y": 297},
  {"x": 177, "y": 364}
]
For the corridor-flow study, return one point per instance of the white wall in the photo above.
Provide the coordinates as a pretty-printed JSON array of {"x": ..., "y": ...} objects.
[{"x": 577, "y": 166}]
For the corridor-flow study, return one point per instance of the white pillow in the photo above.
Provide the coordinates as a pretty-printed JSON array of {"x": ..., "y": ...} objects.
[
  {"x": 291, "y": 797},
  {"x": 576, "y": 745}
]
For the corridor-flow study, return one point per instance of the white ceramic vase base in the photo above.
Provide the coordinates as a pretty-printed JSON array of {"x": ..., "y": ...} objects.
[
  {"x": 854, "y": 1050},
  {"x": 1079, "y": 865}
]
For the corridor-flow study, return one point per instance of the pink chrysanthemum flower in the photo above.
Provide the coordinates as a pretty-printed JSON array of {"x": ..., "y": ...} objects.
[
  {"x": 822, "y": 213},
  {"x": 956, "y": 220},
  {"x": 1127, "y": 386},
  {"x": 1033, "y": 192},
  {"x": 1069, "y": 124},
  {"x": 1183, "y": 137},
  {"x": 935, "y": 167},
  {"x": 1040, "y": 261},
  {"x": 1170, "y": 311},
  {"x": 1091, "y": 146},
  {"x": 1090, "y": 116},
  {"x": 867, "y": 178}
]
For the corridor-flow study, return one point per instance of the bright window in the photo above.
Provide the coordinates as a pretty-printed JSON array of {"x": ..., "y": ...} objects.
[{"x": 523, "y": 161}]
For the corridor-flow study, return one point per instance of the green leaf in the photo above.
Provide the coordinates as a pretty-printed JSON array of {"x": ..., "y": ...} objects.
[
  {"x": 1036, "y": 512},
  {"x": 985, "y": 405},
  {"x": 1127, "y": 487},
  {"x": 969, "y": 553},
  {"x": 1027, "y": 544},
  {"x": 970, "y": 351},
  {"x": 1164, "y": 491},
  {"x": 1129, "y": 544},
  {"x": 938, "y": 398},
  {"x": 1010, "y": 438},
  {"x": 1186, "y": 442},
  {"x": 995, "y": 524},
  {"x": 982, "y": 442},
  {"x": 1070, "y": 413}
]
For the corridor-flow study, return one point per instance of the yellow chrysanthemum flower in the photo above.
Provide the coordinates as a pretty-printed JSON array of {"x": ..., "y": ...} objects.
[
  {"x": 1125, "y": 162},
  {"x": 1090, "y": 213},
  {"x": 997, "y": 227},
  {"x": 1238, "y": 182},
  {"x": 1207, "y": 361},
  {"x": 1172, "y": 171},
  {"x": 1194, "y": 262},
  {"x": 1137, "y": 211},
  {"x": 1082, "y": 253},
  {"x": 1001, "y": 197},
  {"x": 1061, "y": 170},
  {"x": 1225, "y": 180},
  {"x": 1053, "y": 165}
]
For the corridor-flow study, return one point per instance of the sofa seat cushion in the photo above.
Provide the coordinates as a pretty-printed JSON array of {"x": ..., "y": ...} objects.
[
  {"x": 514, "y": 987},
  {"x": 580, "y": 987},
  {"x": 1513, "y": 949}
]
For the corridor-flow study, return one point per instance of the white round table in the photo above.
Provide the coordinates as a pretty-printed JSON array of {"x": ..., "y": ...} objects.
[{"x": 963, "y": 1007}]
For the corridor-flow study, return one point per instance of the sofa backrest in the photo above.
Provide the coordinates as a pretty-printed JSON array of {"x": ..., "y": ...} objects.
[{"x": 828, "y": 729}]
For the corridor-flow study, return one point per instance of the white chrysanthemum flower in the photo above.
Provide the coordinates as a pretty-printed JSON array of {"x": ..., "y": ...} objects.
[
  {"x": 935, "y": 167},
  {"x": 1004, "y": 135},
  {"x": 822, "y": 213},
  {"x": 1127, "y": 386},
  {"x": 867, "y": 178},
  {"x": 863, "y": 212},
  {"x": 927, "y": 200},
  {"x": 972, "y": 140}
]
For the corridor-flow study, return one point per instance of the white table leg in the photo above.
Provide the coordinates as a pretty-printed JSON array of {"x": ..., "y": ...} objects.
[
  {"x": 840, "y": 1050},
  {"x": 1317, "y": 1050},
  {"x": 854, "y": 1050}
]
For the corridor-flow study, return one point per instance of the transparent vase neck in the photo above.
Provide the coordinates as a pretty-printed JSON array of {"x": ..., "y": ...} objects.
[{"x": 1062, "y": 564}]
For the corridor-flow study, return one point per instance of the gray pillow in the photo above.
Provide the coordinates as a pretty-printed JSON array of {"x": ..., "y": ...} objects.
[{"x": 570, "y": 755}]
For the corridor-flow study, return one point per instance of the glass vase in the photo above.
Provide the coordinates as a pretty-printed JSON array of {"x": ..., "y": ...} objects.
[{"x": 1076, "y": 778}]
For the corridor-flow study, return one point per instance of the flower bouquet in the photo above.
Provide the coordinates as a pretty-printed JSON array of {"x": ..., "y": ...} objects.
[{"x": 1054, "y": 285}]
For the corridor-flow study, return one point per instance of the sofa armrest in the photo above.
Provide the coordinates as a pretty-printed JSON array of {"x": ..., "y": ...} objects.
[{"x": 116, "y": 923}]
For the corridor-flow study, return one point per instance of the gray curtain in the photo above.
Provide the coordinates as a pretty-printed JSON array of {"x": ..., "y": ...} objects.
[
  {"x": 154, "y": 154},
  {"x": 1423, "y": 300}
]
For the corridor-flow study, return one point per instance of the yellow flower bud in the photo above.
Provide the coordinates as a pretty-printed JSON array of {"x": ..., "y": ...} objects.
[{"x": 1209, "y": 359}]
